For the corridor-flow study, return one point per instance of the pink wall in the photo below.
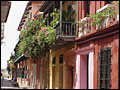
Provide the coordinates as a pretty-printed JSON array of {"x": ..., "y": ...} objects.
[{"x": 83, "y": 71}]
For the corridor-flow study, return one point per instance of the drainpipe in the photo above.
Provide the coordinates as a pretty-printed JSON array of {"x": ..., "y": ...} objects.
[{"x": 60, "y": 18}]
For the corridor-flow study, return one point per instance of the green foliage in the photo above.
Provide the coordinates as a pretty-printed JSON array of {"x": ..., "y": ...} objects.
[
  {"x": 56, "y": 15},
  {"x": 68, "y": 16},
  {"x": 36, "y": 38},
  {"x": 117, "y": 7},
  {"x": 99, "y": 17}
]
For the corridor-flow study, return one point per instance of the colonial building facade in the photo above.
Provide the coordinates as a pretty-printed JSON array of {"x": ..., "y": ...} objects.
[{"x": 85, "y": 56}]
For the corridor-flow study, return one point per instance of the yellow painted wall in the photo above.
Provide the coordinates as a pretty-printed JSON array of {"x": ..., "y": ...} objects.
[{"x": 58, "y": 67}]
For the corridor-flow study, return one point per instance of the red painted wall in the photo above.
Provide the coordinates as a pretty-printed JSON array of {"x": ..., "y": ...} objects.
[{"x": 104, "y": 42}]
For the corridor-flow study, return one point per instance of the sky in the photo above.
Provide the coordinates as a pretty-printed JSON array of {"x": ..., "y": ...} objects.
[{"x": 10, "y": 32}]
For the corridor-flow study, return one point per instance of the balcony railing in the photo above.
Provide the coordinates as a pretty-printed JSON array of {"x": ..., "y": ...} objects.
[
  {"x": 68, "y": 29},
  {"x": 110, "y": 18},
  {"x": 85, "y": 25}
]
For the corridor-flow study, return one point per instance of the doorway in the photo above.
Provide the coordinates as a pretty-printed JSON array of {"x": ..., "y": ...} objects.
[{"x": 84, "y": 69}]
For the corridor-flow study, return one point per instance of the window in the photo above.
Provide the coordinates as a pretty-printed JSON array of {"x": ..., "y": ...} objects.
[
  {"x": 87, "y": 8},
  {"x": 61, "y": 59},
  {"x": 53, "y": 61},
  {"x": 105, "y": 69}
]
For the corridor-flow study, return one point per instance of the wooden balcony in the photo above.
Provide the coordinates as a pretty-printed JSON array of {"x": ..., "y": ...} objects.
[{"x": 65, "y": 34}]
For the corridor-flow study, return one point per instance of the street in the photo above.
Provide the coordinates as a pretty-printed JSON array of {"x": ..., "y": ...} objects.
[{"x": 6, "y": 84}]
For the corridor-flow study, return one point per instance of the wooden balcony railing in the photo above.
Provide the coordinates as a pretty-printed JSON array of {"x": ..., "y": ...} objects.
[
  {"x": 85, "y": 26},
  {"x": 67, "y": 29}
]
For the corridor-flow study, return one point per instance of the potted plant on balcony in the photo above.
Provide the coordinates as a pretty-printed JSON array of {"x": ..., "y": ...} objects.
[
  {"x": 68, "y": 16},
  {"x": 106, "y": 16},
  {"x": 68, "y": 19},
  {"x": 81, "y": 25},
  {"x": 98, "y": 19},
  {"x": 117, "y": 9}
]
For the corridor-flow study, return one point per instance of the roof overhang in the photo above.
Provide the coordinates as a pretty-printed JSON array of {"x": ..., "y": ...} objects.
[
  {"x": 24, "y": 16},
  {"x": 21, "y": 58},
  {"x": 5, "y": 8}
]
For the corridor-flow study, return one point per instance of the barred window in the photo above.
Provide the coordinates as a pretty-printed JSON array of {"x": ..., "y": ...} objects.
[{"x": 104, "y": 66}]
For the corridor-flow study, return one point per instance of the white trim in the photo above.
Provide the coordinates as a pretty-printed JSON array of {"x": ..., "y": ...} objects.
[
  {"x": 91, "y": 70},
  {"x": 103, "y": 8}
]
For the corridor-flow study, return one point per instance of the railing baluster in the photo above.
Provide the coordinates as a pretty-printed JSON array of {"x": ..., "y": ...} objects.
[
  {"x": 74, "y": 29},
  {"x": 71, "y": 29},
  {"x": 65, "y": 28},
  {"x": 62, "y": 28}
]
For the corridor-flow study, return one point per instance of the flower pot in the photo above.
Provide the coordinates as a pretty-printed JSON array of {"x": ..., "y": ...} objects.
[{"x": 80, "y": 32}]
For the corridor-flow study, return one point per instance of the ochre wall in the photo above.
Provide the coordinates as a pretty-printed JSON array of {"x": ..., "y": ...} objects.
[{"x": 57, "y": 66}]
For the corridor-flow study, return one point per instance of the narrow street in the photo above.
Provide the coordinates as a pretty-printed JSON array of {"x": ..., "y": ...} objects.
[{"x": 6, "y": 84}]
